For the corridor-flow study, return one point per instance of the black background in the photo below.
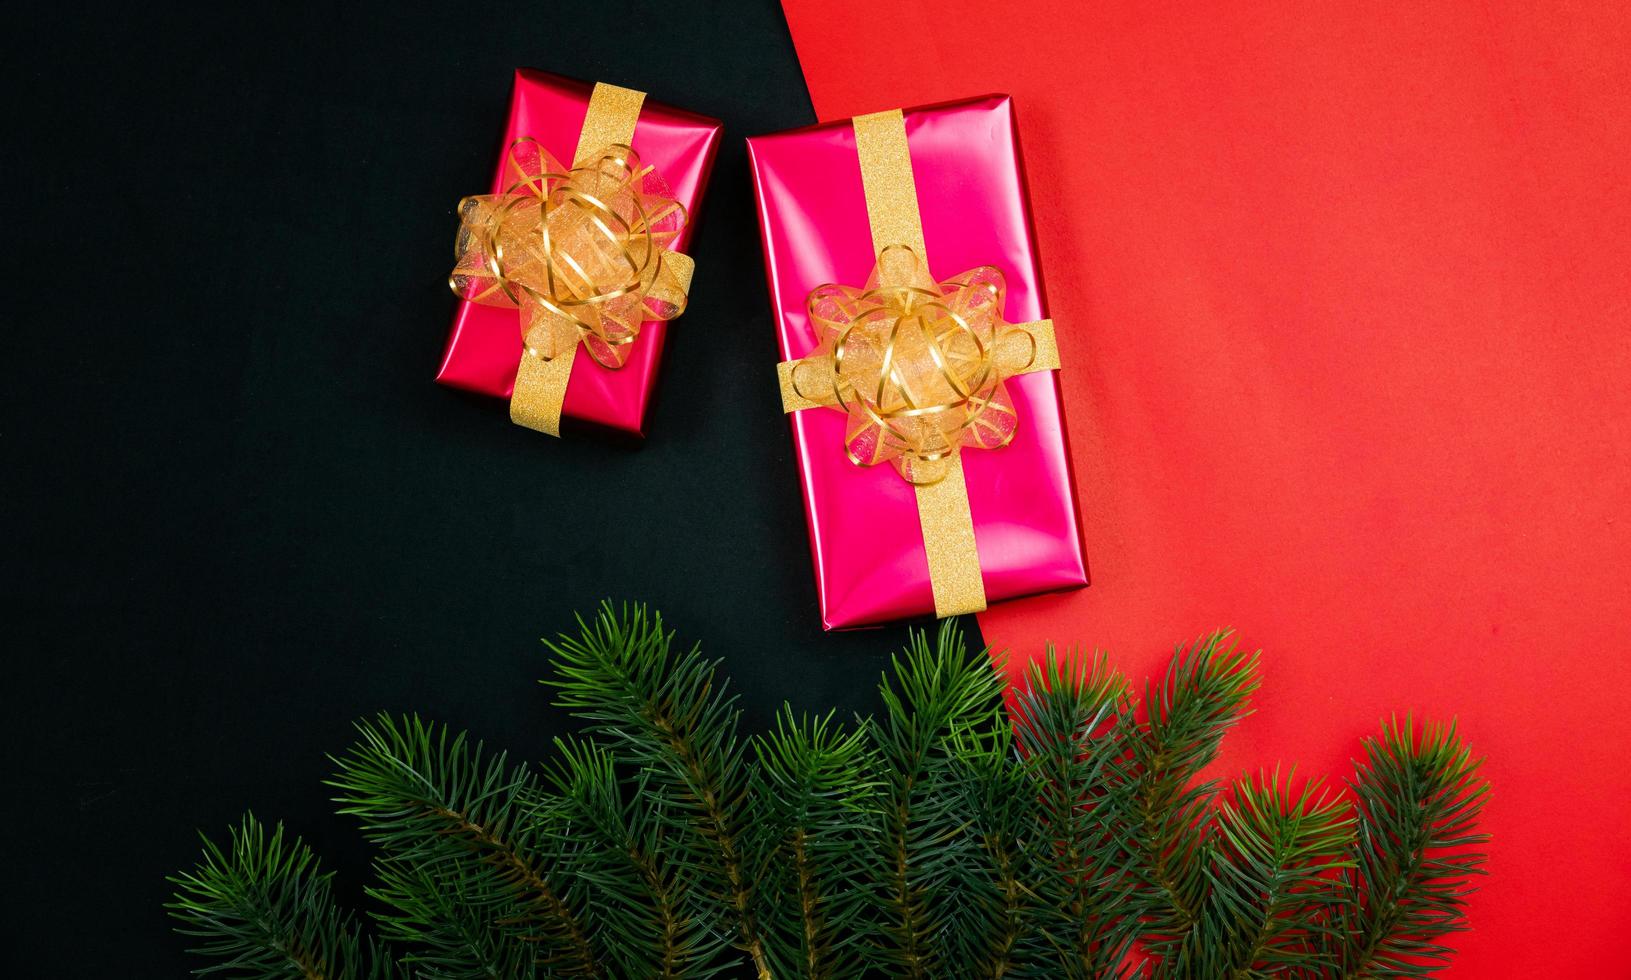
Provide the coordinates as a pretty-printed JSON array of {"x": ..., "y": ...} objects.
[{"x": 238, "y": 511}]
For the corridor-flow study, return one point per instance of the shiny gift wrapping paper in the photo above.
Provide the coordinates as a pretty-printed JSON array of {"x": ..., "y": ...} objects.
[
  {"x": 866, "y": 541},
  {"x": 484, "y": 346}
]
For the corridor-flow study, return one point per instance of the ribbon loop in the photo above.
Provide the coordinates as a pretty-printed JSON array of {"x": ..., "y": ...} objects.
[{"x": 583, "y": 252}]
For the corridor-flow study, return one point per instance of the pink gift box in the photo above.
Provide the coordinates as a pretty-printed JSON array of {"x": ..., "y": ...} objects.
[
  {"x": 865, "y": 539},
  {"x": 484, "y": 347}
]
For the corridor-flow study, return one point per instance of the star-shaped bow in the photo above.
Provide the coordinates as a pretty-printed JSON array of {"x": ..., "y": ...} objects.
[
  {"x": 583, "y": 252},
  {"x": 917, "y": 365}
]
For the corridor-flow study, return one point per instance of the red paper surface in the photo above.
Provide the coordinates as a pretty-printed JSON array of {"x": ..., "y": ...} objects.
[{"x": 1343, "y": 294}]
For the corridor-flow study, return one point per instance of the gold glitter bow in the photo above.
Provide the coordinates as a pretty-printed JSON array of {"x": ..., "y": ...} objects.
[
  {"x": 582, "y": 252},
  {"x": 918, "y": 366}
]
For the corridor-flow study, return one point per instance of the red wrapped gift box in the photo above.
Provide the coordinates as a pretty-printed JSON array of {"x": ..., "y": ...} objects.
[
  {"x": 868, "y": 547},
  {"x": 484, "y": 347}
]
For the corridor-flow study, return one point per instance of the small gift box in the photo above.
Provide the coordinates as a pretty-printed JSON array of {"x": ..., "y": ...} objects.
[
  {"x": 569, "y": 269},
  {"x": 918, "y": 370}
]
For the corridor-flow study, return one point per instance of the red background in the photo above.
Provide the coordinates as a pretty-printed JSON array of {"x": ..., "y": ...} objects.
[{"x": 1344, "y": 302}]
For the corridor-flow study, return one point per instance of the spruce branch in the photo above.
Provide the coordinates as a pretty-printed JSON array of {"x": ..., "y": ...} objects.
[
  {"x": 815, "y": 787},
  {"x": 1419, "y": 799},
  {"x": 667, "y": 714},
  {"x": 446, "y": 927},
  {"x": 1271, "y": 881},
  {"x": 463, "y": 822},
  {"x": 648, "y": 915},
  {"x": 1066, "y": 721},
  {"x": 999, "y": 796},
  {"x": 1073, "y": 836},
  {"x": 1205, "y": 691},
  {"x": 262, "y": 907},
  {"x": 941, "y": 703}
]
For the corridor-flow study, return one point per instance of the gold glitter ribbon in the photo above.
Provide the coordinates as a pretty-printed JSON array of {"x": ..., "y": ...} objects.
[
  {"x": 917, "y": 365},
  {"x": 584, "y": 253}
]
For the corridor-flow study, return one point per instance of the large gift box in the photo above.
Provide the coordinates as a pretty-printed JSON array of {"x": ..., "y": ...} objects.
[
  {"x": 586, "y": 362},
  {"x": 918, "y": 371}
]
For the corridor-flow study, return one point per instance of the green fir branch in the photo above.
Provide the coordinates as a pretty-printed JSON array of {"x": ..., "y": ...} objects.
[
  {"x": 816, "y": 794},
  {"x": 939, "y": 697},
  {"x": 1272, "y": 888},
  {"x": 464, "y": 822},
  {"x": 1067, "y": 721},
  {"x": 666, "y": 712},
  {"x": 1417, "y": 851},
  {"x": 446, "y": 926},
  {"x": 263, "y": 908},
  {"x": 1075, "y": 835},
  {"x": 647, "y": 913},
  {"x": 1016, "y": 913},
  {"x": 1205, "y": 691}
]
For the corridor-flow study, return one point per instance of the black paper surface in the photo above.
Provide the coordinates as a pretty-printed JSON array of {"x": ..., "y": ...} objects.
[{"x": 239, "y": 513}]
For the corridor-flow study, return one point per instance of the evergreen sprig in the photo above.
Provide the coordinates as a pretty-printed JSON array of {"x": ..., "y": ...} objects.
[
  {"x": 451, "y": 819},
  {"x": 942, "y": 714},
  {"x": 263, "y": 908},
  {"x": 644, "y": 904},
  {"x": 1417, "y": 850},
  {"x": 1271, "y": 888},
  {"x": 1206, "y": 690},
  {"x": 1067, "y": 722},
  {"x": 1073, "y": 834},
  {"x": 815, "y": 792},
  {"x": 666, "y": 714}
]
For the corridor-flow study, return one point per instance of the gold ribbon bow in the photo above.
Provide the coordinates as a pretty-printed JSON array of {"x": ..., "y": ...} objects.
[
  {"x": 583, "y": 252},
  {"x": 918, "y": 366}
]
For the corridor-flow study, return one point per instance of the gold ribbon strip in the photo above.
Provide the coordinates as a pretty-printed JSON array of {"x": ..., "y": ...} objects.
[
  {"x": 917, "y": 365},
  {"x": 886, "y": 179},
  {"x": 540, "y": 385},
  {"x": 609, "y": 120},
  {"x": 582, "y": 251}
]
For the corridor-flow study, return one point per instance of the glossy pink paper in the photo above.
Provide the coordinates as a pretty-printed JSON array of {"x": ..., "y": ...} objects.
[
  {"x": 867, "y": 546},
  {"x": 484, "y": 346}
]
